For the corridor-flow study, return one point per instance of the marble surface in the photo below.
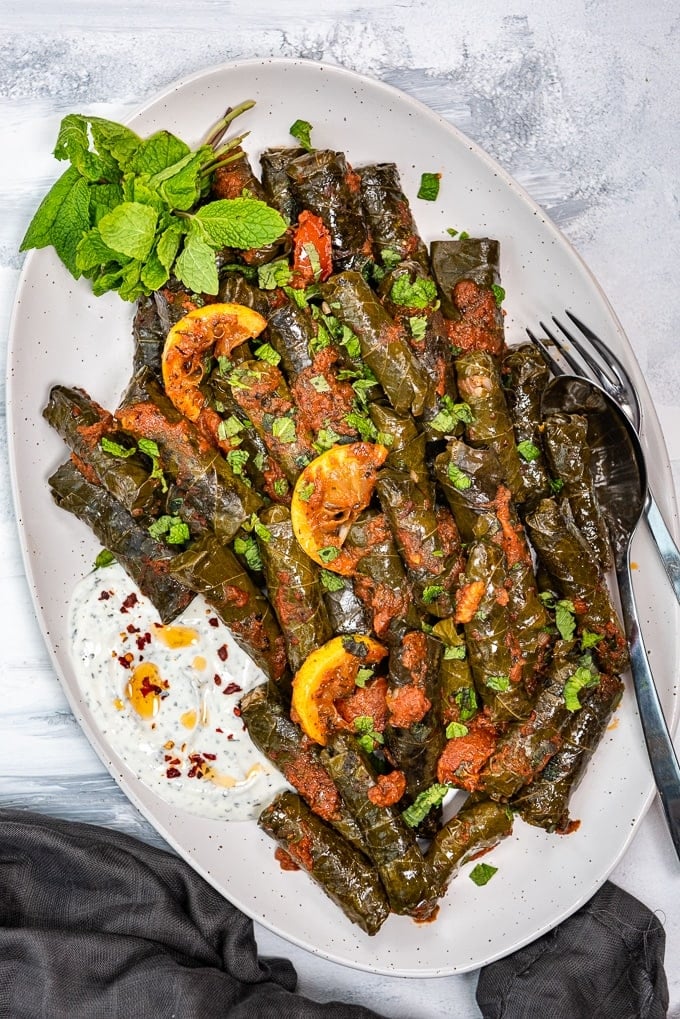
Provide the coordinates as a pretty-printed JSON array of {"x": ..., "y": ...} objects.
[{"x": 584, "y": 110}]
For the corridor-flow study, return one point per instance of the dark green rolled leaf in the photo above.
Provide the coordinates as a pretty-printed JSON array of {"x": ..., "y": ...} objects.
[
  {"x": 390, "y": 219},
  {"x": 568, "y": 452},
  {"x": 346, "y": 611},
  {"x": 415, "y": 749},
  {"x": 291, "y": 330},
  {"x": 466, "y": 273},
  {"x": 475, "y": 828},
  {"x": 390, "y": 844},
  {"x": 380, "y": 580},
  {"x": 323, "y": 183},
  {"x": 262, "y": 393},
  {"x": 545, "y": 803},
  {"x": 209, "y": 568},
  {"x": 145, "y": 560},
  {"x": 274, "y": 165},
  {"x": 406, "y": 443},
  {"x": 494, "y": 658},
  {"x": 410, "y": 509},
  {"x": 293, "y": 588},
  {"x": 470, "y": 479},
  {"x": 479, "y": 385},
  {"x": 210, "y": 489},
  {"x": 296, "y": 757},
  {"x": 384, "y": 347},
  {"x": 526, "y": 377},
  {"x": 577, "y": 578},
  {"x": 344, "y": 874},
  {"x": 234, "y": 289},
  {"x": 456, "y": 685},
  {"x": 82, "y": 424},
  {"x": 525, "y": 748}
]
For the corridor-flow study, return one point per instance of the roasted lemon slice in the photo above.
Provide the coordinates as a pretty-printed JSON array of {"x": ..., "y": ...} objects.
[
  {"x": 329, "y": 495},
  {"x": 216, "y": 329},
  {"x": 327, "y": 675}
]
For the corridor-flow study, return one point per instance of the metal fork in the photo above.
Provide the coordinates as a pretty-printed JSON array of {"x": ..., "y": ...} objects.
[{"x": 612, "y": 376}]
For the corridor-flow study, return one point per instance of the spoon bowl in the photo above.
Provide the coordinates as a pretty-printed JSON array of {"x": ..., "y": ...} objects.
[{"x": 620, "y": 478}]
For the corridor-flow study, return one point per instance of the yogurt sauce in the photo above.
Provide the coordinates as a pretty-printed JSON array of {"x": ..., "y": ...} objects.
[{"x": 165, "y": 698}]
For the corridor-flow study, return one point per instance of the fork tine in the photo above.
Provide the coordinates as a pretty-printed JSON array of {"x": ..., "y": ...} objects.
[
  {"x": 599, "y": 373},
  {"x": 569, "y": 358},
  {"x": 552, "y": 364},
  {"x": 617, "y": 367}
]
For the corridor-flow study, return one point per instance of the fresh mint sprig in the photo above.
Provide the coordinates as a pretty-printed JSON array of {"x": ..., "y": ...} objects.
[{"x": 129, "y": 212}]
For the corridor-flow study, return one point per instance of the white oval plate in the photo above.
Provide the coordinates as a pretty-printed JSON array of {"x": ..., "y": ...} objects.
[{"x": 60, "y": 333}]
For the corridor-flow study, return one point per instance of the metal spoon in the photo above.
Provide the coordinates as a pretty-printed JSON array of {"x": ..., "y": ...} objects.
[{"x": 621, "y": 482}]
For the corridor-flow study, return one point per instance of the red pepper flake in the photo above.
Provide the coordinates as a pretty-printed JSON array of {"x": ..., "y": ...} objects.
[
  {"x": 232, "y": 688},
  {"x": 125, "y": 660},
  {"x": 230, "y": 735},
  {"x": 143, "y": 640},
  {"x": 129, "y": 602},
  {"x": 173, "y": 773},
  {"x": 223, "y": 653},
  {"x": 219, "y": 730},
  {"x": 131, "y": 628},
  {"x": 217, "y": 680},
  {"x": 104, "y": 596},
  {"x": 210, "y": 757},
  {"x": 237, "y": 710},
  {"x": 213, "y": 621}
]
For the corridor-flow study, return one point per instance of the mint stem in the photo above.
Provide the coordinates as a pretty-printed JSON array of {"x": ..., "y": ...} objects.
[{"x": 217, "y": 131}]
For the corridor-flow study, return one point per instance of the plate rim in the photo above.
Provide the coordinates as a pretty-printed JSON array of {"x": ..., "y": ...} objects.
[{"x": 661, "y": 451}]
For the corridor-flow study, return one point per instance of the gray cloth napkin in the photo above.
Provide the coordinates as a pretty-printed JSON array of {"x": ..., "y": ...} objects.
[{"x": 96, "y": 925}]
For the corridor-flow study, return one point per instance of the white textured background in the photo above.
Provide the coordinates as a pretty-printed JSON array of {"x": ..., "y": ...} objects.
[{"x": 579, "y": 101}]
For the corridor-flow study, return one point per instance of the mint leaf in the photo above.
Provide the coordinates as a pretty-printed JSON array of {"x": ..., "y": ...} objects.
[
  {"x": 450, "y": 415},
  {"x": 458, "y": 478},
  {"x": 196, "y": 267},
  {"x": 590, "y": 639},
  {"x": 418, "y": 326},
  {"x": 248, "y": 548},
  {"x": 157, "y": 152},
  {"x": 73, "y": 142},
  {"x": 168, "y": 243},
  {"x": 115, "y": 449},
  {"x": 583, "y": 678},
  {"x": 455, "y": 652},
  {"x": 265, "y": 352},
  {"x": 104, "y": 558},
  {"x": 328, "y": 554},
  {"x": 498, "y": 293},
  {"x": 528, "y": 451},
  {"x": 331, "y": 581},
  {"x": 498, "y": 683},
  {"x": 482, "y": 874},
  {"x": 240, "y": 223},
  {"x": 91, "y": 252},
  {"x": 172, "y": 529},
  {"x": 305, "y": 492},
  {"x": 283, "y": 429},
  {"x": 114, "y": 140},
  {"x": 429, "y": 186},
  {"x": 39, "y": 233},
  {"x": 564, "y": 619},
  {"x": 431, "y": 593},
  {"x": 70, "y": 223},
  {"x": 301, "y": 130},
  {"x": 154, "y": 274},
  {"x": 423, "y": 804},
  {"x": 129, "y": 228},
  {"x": 181, "y": 187},
  {"x": 418, "y": 294},
  {"x": 455, "y": 730},
  {"x": 274, "y": 274}
]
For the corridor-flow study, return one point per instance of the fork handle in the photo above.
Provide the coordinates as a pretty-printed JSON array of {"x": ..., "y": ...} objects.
[
  {"x": 668, "y": 550},
  {"x": 662, "y": 756}
]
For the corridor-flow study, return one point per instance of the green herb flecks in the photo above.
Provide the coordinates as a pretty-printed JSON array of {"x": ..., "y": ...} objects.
[
  {"x": 423, "y": 804},
  {"x": 482, "y": 873},
  {"x": 104, "y": 558},
  {"x": 301, "y": 130},
  {"x": 419, "y": 294},
  {"x": 429, "y": 186},
  {"x": 458, "y": 478},
  {"x": 455, "y": 730},
  {"x": 170, "y": 529},
  {"x": 528, "y": 451}
]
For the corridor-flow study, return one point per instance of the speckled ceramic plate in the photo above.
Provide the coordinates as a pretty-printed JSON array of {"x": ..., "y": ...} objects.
[{"x": 60, "y": 333}]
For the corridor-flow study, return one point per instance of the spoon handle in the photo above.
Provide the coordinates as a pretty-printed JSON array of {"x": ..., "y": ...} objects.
[
  {"x": 662, "y": 756},
  {"x": 668, "y": 550}
]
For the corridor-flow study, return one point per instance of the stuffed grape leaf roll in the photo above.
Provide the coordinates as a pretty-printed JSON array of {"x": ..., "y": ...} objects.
[
  {"x": 387, "y": 210},
  {"x": 475, "y": 828},
  {"x": 467, "y": 274},
  {"x": 145, "y": 560},
  {"x": 344, "y": 874}
]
